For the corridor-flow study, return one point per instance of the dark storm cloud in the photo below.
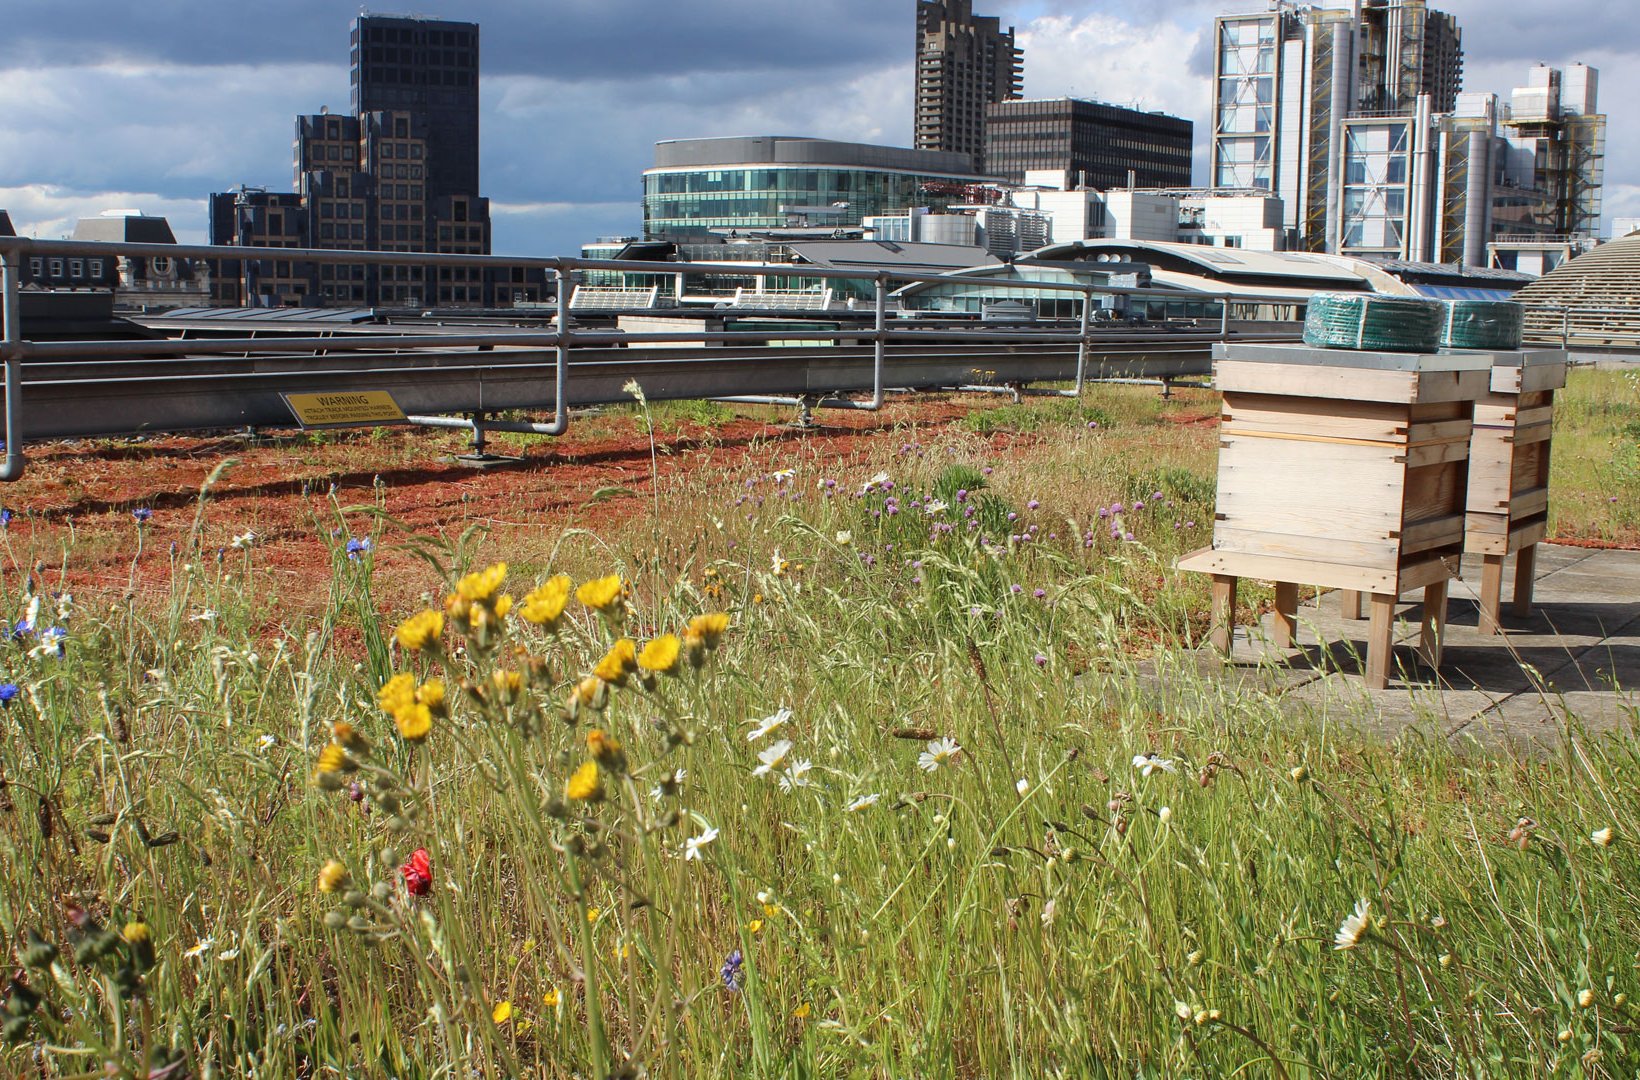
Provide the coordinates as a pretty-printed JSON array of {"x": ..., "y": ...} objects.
[{"x": 552, "y": 38}]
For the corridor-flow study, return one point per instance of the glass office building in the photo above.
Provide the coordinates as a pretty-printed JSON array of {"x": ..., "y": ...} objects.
[{"x": 769, "y": 182}]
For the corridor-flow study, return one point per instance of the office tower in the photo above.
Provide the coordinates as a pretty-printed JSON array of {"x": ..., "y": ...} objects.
[
  {"x": 1099, "y": 146},
  {"x": 964, "y": 63},
  {"x": 399, "y": 174},
  {"x": 1333, "y": 110}
]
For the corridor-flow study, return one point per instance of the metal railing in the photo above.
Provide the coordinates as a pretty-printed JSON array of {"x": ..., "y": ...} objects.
[
  {"x": 83, "y": 388},
  {"x": 1574, "y": 327}
]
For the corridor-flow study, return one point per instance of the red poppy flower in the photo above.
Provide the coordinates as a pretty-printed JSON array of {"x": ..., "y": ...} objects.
[{"x": 418, "y": 873}]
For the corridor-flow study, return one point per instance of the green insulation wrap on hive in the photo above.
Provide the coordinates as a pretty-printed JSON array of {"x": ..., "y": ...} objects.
[
  {"x": 1377, "y": 323},
  {"x": 1481, "y": 324}
]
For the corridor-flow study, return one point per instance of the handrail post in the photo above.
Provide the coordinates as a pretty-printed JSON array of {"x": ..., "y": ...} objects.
[
  {"x": 1082, "y": 341},
  {"x": 566, "y": 334},
  {"x": 880, "y": 338},
  {"x": 1224, "y": 318},
  {"x": 12, "y": 308}
]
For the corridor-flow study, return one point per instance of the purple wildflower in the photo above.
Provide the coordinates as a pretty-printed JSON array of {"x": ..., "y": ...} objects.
[
  {"x": 142, "y": 514},
  {"x": 730, "y": 972},
  {"x": 8, "y": 691},
  {"x": 1040, "y": 660},
  {"x": 357, "y": 546},
  {"x": 1040, "y": 593},
  {"x": 1032, "y": 505},
  {"x": 1016, "y": 589}
]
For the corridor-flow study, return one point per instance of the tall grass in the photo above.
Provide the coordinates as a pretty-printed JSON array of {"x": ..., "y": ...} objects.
[{"x": 1128, "y": 867}]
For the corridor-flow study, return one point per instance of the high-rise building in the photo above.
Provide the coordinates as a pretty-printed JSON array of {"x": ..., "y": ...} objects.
[
  {"x": 1099, "y": 146},
  {"x": 1327, "y": 108},
  {"x": 964, "y": 63},
  {"x": 399, "y": 174}
]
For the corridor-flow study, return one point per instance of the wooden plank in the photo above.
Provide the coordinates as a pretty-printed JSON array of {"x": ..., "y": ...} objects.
[
  {"x": 1243, "y": 431},
  {"x": 1524, "y": 536},
  {"x": 1301, "y": 571},
  {"x": 1454, "y": 386},
  {"x": 1419, "y": 574},
  {"x": 1429, "y": 412},
  {"x": 1439, "y": 453},
  {"x": 1383, "y": 554},
  {"x": 1315, "y": 381},
  {"x": 1432, "y": 533},
  {"x": 1491, "y": 592},
  {"x": 1349, "y": 605},
  {"x": 1433, "y": 625},
  {"x": 1529, "y": 502},
  {"x": 1525, "y": 579},
  {"x": 1541, "y": 377},
  {"x": 1222, "y": 627},
  {"x": 1529, "y": 471},
  {"x": 1538, "y": 433},
  {"x": 1317, "y": 416},
  {"x": 1437, "y": 431},
  {"x": 1542, "y": 414},
  {"x": 1435, "y": 491}
]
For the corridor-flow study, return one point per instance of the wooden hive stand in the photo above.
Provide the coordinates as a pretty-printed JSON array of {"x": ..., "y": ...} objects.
[
  {"x": 1508, "y": 510},
  {"x": 1345, "y": 470}
]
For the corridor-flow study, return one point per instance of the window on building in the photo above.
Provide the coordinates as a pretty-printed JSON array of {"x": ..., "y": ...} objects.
[
  {"x": 76, "y": 268},
  {"x": 96, "y": 266},
  {"x": 36, "y": 267}
]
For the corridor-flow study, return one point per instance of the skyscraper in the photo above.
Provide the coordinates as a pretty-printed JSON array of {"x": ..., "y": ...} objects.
[
  {"x": 964, "y": 63},
  {"x": 399, "y": 174},
  {"x": 1290, "y": 80}
]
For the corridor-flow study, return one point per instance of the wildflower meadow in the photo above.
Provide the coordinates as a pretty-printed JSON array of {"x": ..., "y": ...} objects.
[{"x": 904, "y": 765}]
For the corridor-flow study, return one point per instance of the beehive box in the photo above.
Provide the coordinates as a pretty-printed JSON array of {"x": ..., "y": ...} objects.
[
  {"x": 1508, "y": 505},
  {"x": 1345, "y": 470}
]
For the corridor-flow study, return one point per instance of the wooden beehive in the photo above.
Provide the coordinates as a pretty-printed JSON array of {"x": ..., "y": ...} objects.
[
  {"x": 1342, "y": 469},
  {"x": 1508, "y": 505},
  {"x": 1346, "y": 470}
]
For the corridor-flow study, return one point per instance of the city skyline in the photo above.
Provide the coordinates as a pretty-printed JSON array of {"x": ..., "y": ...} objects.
[{"x": 128, "y": 111}]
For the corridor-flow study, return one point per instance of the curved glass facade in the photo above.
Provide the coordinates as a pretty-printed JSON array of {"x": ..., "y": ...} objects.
[{"x": 680, "y": 202}]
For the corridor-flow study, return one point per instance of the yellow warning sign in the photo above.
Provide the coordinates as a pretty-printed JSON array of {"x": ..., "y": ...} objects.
[{"x": 345, "y": 409}]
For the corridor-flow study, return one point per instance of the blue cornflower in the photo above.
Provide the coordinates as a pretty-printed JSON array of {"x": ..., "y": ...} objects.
[
  {"x": 5, "y": 519},
  {"x": 731, "y": 972},
  {"x": 8, "y": 691},
  {"x": 142, "y": 514},
  {"x": 22, "y": 630},
  {"x": 357, "y": 547}
]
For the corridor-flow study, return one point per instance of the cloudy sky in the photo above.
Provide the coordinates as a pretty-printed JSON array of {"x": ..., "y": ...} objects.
[{"x": 106, "y": 103}]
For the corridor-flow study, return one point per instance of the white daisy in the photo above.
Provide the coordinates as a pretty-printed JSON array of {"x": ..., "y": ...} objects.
[
  {"x": 844, "y": 537},
  {"x": 1354, "y": 927},
  {"x": 862, "y": 802},
  {"x": 200, "y": 949},
  {"x": 934, "y": 506},
  {"x": 229, "y": 954},
  {"x": 244, "y": 539},
  {"x": 939, "y": 752},
  {"x": 1601, "y": 837},
  {"x": 773, "y": 757},
  {"x": 1149, "y": 763},
  {"x": 783, "y": 475},
  {"x": 692, "y": 846},
  {"x": 265, "y": 742},
  {"x": 768, "y": 724},
  {"x": 796, "y": 775},
  {"x": 880, "y": 478},
  {"x": 204, "y": 616}
]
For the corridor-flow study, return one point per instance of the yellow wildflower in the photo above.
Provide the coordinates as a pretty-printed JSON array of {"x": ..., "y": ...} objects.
[
  {"x": 508, "y": 685},
  {"x": 479, "y": 587},
  {"x": 605, "y": 749},
  {"x": 802, "y": 1011},
  {"x": 333, "y": 759},
  {"x": 503, "y": 604},
  {"x": 708, "y": 629},
  {"x": 589, "y": 693},
  {"x": 332, "y": 876},
  {"x": 661, "y": 655},
  {"x": 619, "y": 662},
  {"x": 544, "y": 605},
  {"x": 586, "y": 785},
  {"x": 622, "y": 950},
  {"x": 135, "y": 933},
  {"x": 755, "y": 925},
  {"x": 431, "y": 695},
  {"x": 421, "y": 631},
  {"x": 771, "y": 910},
  {"x": 348, "y": 737},
  {"x": 501, "y": 1013},
  {"x": 414, "y": 720},
  {"x": 550, "y": 998},
  {"x": 601, "y": 594},
  {"x": 398, "y": 691},
  {"x": 592, "y": 915}
]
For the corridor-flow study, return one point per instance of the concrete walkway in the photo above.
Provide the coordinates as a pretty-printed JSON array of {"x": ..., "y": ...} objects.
[{"x": 1576, "y": 659}]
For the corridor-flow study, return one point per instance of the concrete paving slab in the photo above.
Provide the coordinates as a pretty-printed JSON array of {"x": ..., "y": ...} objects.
[{"x": 1574, "y": 660}]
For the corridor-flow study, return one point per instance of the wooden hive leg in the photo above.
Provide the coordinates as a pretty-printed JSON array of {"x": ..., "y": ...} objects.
[
  {"x": 1525, "y": 578},
  {"x": 1491, "y": 594},
  {"x": 1349, "y": 603},
  {"x": 1380, "y": 640},
  {"x": 1224, "y": 614},
  {"x": 1286, "y": 614},
  {"x": 1434, "y": 626}
]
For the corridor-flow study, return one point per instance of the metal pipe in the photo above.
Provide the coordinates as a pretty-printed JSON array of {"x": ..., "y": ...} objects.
[
  {"x": 12, "y": 309},
  {"x": 566, "y": 335},
  {"x": 461, "y": 423},
  {"x": 775, "y": 399},
  {"x": 879, "y": 340}
]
